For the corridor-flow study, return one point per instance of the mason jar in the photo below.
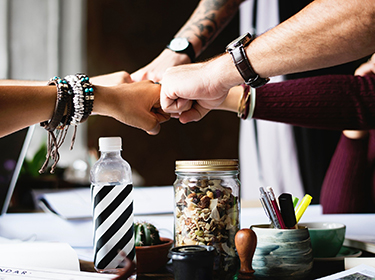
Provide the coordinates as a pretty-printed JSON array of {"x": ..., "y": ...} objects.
[{"x": 207, "y": 206}]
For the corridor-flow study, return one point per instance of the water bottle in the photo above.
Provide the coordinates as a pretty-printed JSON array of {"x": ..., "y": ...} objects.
[{"x": 112, "y": 200}]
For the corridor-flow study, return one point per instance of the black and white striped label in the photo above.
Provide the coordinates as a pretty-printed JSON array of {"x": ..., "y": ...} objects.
[{"x": 113, "y": 225}]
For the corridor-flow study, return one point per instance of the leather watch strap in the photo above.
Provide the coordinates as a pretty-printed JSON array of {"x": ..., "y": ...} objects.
[
  {"x": 238, "y": 53},
  {"x": 244, "y": 68}
]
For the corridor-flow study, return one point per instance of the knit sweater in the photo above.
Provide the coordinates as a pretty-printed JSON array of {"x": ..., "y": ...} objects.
[{"x": 335, "y": 102}]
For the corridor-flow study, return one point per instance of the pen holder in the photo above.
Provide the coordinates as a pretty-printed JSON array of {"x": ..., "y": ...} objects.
[{"x": 282, "y": 253}]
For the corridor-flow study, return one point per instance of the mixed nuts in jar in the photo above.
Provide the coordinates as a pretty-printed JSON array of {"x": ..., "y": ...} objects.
[{"x": 207, "y": 203}]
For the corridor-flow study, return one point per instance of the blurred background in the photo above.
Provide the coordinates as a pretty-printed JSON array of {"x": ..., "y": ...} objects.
[{"x": 40, "y": 39}]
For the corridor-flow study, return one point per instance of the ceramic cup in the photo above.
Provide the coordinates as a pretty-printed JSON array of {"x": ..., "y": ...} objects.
[
  {"x": 326, "y": 238},
  {"x": 193, "y": 262},
  {"x": 282, "y": 253}
]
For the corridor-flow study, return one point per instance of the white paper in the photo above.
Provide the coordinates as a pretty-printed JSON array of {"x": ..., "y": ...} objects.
[
  {"x": 69, "y": 204},
  {"x": 39, "y": 254},
  {"x": 153, "y": 200},
  {"x": 19, "y": 273},
  {"x": 353, "y": 262},
  {"x": 46, "y": 227},
  {"x": 365, "y": 271}
]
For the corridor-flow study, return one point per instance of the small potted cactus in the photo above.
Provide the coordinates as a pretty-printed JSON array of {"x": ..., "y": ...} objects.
[{"x": 151, "y": 249}]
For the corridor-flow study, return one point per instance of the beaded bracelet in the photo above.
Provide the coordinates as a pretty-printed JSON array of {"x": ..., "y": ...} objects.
[
  {"x": 75, "y": 96},
  {"x": 78, "y": 99},
  {"x": 88, "y": 92},
  {"x": 57, "y": 127},
  {"x": 62, "y": 97}
]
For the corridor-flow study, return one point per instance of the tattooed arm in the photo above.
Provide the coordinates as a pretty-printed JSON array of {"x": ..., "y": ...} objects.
[{"x": 206, "y": 22}]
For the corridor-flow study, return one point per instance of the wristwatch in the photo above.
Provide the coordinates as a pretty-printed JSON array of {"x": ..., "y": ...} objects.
[
  {"x": 182, "y": 45},
  {"x": 237, "y": 50}
]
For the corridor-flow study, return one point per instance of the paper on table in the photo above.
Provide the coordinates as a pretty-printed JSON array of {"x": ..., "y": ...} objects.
[
  {"x": 18, "y": 273},
  {"x": 153, "y": 200},
  {"x": 353, "y": 262},
  {"x": 69, "y": 204},
  {"x": 359, "y": 272},
  {"x": 39, "y": 254},
  {"x": 76, "y": 203}
]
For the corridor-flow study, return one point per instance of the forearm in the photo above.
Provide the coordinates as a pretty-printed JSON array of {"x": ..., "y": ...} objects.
[
  {"x": 346, "y": 186},
  {"x": 22, "y": 106},
  {"x": 208, "y": 19},
  {"x": 22, "y": 83},
  {"x": 336, "y": 102},
  {"x": 328, "y": 102},
  {"x": 325, "y": 33}
]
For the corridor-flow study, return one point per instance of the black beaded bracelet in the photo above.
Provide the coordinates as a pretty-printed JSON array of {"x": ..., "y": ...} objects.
[
  {"x": 88, "y": 93},
  {"x": 61, "y": 101}
]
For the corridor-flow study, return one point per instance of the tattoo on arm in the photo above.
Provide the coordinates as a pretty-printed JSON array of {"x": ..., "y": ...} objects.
[{"x": 210, "y": 17}]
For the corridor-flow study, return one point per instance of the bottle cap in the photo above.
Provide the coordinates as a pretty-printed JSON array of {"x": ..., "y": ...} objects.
[{"x": 107, "y": 144}]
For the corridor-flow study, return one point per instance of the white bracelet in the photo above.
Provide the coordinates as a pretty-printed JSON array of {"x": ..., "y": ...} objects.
[{"x": 252, "y": 103}]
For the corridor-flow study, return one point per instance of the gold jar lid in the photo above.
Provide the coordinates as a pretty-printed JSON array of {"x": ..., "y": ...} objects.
[{"x": 206, "y": 165}]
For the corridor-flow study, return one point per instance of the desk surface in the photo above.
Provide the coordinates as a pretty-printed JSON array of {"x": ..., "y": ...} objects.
[
  {"x": 320, "y": 269},
  {"x": 48, "y": 227}
]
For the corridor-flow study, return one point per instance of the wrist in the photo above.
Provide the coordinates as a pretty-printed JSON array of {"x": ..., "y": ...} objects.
[
  {"x": 232, "y": 100},
  {"x": 224, "y": 72},
  {"x": 102, "y": 100}
]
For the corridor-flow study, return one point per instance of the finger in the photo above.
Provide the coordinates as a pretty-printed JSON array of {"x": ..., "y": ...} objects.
[
  {"x": 161, "y": 115},
  {"x": 175, "y": 115},
  {"x": 196, "y": 113},
  {"x": 176, "y": 106},
  {"x": 155, "y": 130},
  {"x": 139, "y": 75}
]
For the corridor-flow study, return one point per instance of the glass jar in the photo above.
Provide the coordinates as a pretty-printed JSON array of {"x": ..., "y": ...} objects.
[{"x": 207, "y": 205}]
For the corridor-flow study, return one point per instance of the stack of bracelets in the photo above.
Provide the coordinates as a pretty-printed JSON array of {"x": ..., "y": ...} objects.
[
  {"x": 247, "y": 103},
  {"x": 74, "y": 103}
]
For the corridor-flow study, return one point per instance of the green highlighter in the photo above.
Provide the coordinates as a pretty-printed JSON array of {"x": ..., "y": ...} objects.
[{"x": 295, "y": 201}]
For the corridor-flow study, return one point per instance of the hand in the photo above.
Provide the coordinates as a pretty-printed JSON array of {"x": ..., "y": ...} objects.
[
  {"x": 135, "y": 104},
  {"x": 184, "y": 84},
  {"x": 366, "y": 68},
  {"x": 112, "y": 79},
  {"x": 155, "y": 70}
]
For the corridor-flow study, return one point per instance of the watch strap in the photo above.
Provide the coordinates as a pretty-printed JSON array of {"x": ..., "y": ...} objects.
[
  {"x": 189, "y": 51},
  {"x": 245, "y": 69}
]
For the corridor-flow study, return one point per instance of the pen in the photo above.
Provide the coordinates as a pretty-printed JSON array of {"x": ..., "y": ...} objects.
[
  {"x": 267, "y": 213},
  {"x": 267, "y": 203},
  {"x": 306, "y": 200},
  {"x": 271, "y": 195},
  {"x": 287, "y": 210}
]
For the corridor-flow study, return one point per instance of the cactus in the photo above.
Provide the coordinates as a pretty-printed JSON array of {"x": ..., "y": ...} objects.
[{"x": 146, "y": 234}]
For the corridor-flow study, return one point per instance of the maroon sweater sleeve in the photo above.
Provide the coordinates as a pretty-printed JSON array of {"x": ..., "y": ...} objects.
[
  {"x": 336, "y": 102},
  {"x": 347, "y": 185}
]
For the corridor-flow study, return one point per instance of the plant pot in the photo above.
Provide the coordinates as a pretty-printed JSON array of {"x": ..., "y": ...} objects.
[{"x": 153, "y": 258}]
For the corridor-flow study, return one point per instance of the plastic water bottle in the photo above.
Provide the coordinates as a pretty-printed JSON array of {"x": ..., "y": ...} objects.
[{"x": 112, "y": 200}]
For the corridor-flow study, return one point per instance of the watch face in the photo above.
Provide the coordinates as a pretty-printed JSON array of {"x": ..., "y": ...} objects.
[
  {"x": 242, "y": 40},
  {"x": 178, "y": 44}
]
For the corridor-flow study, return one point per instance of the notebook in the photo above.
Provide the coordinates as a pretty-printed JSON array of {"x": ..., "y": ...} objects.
[{"x": 13, "y": 150}]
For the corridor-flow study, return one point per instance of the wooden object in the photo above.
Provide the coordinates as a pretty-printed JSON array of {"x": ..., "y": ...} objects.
[{"x": 246, "y": 242}]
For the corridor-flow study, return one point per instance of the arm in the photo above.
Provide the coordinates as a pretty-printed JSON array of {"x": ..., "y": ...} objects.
[
  {"x": 347, "y": 183},
  {"x": 134, "y": 104},
  {"x": 325, "y": 33},
  {"x": 206, "y": 22},
  {"x": 334, "y": 102},
  {"x": 111, "y": 79}
]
